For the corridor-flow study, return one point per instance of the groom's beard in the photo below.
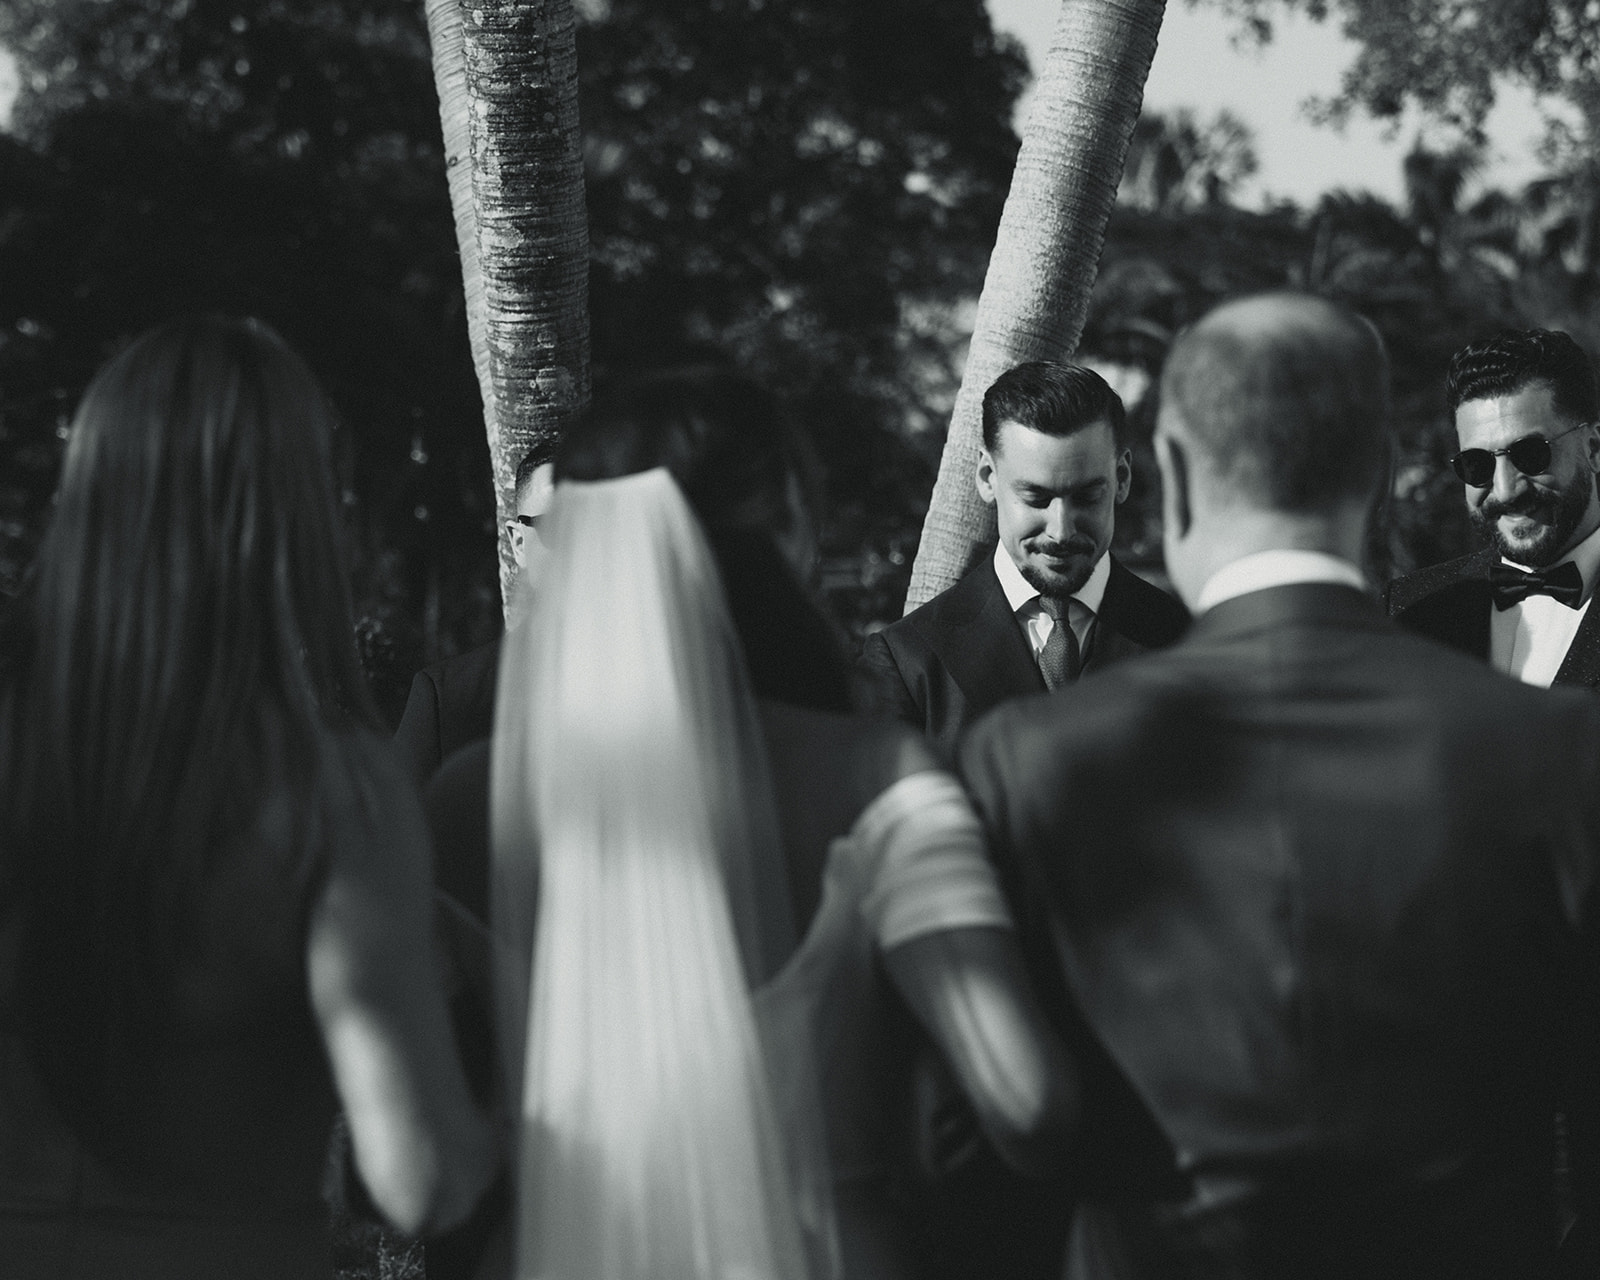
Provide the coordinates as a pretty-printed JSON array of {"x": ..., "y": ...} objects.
[{"x": 1076, "y": 558}]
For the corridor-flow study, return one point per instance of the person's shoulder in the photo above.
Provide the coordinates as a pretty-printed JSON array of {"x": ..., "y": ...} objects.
[
  {"x": 956, "y": 603},
  {"x": 1159, "y": 614},
  {"x": 1410, "y": 590}
]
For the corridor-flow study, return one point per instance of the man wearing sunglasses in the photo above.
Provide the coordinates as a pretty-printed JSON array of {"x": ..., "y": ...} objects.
[
  {"x": 1527, "y": 417},
  {"x": 452, "y": 702}
]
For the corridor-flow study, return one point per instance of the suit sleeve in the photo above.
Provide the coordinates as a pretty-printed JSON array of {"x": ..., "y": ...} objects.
[
  {"x": 988, "y": 767},
  {"x": 1577, "y": 874},
  {"x": 418, "y": 738},
  {"x": 984, "y": 777},
  {"x": 883, "y": 688}
]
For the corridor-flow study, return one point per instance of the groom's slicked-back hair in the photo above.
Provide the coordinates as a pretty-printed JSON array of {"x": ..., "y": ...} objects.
[
  {"x": 1057, "y": 399},
  {"x": 1287, "y": 396}
]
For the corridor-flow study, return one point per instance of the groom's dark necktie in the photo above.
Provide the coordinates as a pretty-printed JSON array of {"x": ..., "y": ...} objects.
[
  {"x": 1059, "y": 660},
  {"x": 1511, "y": 586}
]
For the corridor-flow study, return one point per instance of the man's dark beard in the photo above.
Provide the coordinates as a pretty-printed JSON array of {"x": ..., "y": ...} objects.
[
  {"x": 1561, "y": 515},
  {"x": 1060, "y": 586}
]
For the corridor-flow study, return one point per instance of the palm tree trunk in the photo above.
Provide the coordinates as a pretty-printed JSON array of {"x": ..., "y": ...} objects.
[
  {"x": 445, "y": 37},
  {"x": 1036, "y": 293},
  {"x": 508, "y": 98}
]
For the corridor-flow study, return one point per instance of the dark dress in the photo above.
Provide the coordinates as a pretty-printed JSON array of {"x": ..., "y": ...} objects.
[{"x": 213, "y": 1165}]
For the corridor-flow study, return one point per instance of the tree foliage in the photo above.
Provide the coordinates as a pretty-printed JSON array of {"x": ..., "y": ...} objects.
[
  {"x": 1179, "y": 161},
  {"x": 268, "y": 157},
  {"x": 809, "y": 189},
  {"x": 1447, "y": 56}
]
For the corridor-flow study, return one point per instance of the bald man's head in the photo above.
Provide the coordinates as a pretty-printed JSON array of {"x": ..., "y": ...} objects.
[{"x": 1285, "y": 397}]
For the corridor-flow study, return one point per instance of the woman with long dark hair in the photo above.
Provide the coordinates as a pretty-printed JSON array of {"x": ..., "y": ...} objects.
[
  {"x": 214, "y": 886},
  {"x": 702, "y": 866}
]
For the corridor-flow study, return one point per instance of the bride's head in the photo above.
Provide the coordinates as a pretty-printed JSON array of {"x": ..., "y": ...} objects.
[
  {"x": 751, "y": 480},
  {"x": 640, "y": 890}
]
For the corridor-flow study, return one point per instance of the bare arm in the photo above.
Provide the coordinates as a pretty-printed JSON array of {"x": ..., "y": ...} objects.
[
  {"x": 423, "y": 1149},
  {"x": 968, "y": 988}
]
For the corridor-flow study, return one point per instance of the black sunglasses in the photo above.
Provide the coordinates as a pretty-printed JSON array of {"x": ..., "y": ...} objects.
[{"x": 1529, "y": 455}]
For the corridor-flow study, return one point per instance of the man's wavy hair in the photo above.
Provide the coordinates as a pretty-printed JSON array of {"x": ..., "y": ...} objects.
[
  {"x": 1057, "y": 399},
  {"x": 1509, "y": 361}
]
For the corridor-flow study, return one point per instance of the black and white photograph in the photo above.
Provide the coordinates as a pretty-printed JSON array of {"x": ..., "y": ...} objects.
[{"x": 799, "y": 640}]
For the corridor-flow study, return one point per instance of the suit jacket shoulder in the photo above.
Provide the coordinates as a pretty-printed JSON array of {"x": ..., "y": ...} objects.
[
  {"x": 1446, "y": 602},
  {"x": 1151, "y": 846},
  {"x": 1136, "y": 615},
  {"x": 951, "y": 659},
  {"x": 451, "y": 704},
  {"x": 1451, "y": 603},
  {"x": 1410, "y": 589}
]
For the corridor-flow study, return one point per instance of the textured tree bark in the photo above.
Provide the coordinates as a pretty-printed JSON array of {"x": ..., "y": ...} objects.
[
  {"x": 1036, "y": 293},
  {"x": 446, "y": 39},
  {"x": 520, "y": 219}
]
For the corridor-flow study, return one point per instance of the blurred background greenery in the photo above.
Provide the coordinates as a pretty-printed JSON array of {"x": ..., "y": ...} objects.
[{"x": 810, "y": 188}]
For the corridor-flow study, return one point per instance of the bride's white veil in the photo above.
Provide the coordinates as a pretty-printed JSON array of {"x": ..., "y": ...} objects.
[{"x": 638, "y": 896}]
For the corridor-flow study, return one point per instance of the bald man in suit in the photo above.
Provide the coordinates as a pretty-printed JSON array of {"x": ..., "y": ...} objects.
[{"x": 1306, "y": 890}]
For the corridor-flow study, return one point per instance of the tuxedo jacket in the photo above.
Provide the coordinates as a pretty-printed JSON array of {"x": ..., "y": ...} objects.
[
  {"x": 1303, "y": 891},
  {"x": 451, "y": 704},
  {"x": 1450, "y": 602},
  {"x": 944, "y": 664}
]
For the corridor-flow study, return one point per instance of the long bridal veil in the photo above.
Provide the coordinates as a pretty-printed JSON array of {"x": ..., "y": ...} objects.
[{"x": 639, "y": 896}]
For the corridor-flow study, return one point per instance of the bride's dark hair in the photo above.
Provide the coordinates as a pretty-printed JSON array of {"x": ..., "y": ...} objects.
[
  {"x": 183, "y": 646},
  {"x": 750, "y": 477}
]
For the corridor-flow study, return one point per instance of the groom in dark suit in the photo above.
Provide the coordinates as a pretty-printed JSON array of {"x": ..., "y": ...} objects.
[
  {"x": 1304, "y": 888},
  {"x": 1051, "y": 602},
  {"x": 1527, "y": 415}
]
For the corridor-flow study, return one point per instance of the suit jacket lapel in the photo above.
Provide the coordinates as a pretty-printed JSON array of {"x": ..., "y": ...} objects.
[
  {"x": 985, "y": 651},
  {"x": 1117, "y": 625},
  {"x": 1581, "y": 666}
]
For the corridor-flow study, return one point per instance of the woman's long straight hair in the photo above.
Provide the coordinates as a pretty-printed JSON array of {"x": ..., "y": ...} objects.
[{"x": 184, "y": 642}]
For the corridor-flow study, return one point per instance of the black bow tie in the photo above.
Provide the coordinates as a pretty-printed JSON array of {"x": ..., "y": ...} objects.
[{"x": 1511, "y": 586}]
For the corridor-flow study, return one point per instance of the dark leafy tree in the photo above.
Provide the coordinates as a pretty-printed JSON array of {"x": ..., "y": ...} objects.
[
  {"x": 1178, "y": 161},
  {"x": 267, "y": 157},
  {"x": 810, "y": 189}
]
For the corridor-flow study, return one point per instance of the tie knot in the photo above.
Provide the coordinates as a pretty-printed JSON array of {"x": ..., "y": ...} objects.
[{"x": 1056, "y": 607}]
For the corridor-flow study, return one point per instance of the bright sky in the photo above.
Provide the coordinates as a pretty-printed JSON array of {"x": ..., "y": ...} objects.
[
  {"x": 8, "y": 86},
  {"x": 1197, "y": 67}
]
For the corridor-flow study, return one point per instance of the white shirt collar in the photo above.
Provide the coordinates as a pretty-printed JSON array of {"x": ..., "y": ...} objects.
[
  {"x": 1020, "y": 592},
  {"x": 1586, "y": 555},
  {"x": 1279, "y": 568}
]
